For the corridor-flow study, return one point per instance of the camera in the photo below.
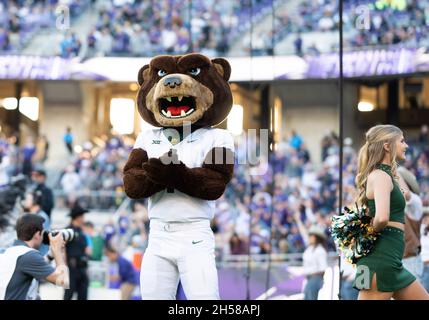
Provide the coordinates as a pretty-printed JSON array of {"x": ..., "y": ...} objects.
[{"x": 68, "y": 235}]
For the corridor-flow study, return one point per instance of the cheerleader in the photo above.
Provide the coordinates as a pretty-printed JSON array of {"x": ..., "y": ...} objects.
[{"x": 380, "y": 274}]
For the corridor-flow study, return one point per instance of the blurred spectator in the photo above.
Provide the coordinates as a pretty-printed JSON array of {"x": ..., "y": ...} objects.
[
  {"x": 70, "y": 181},
  {"x": 33, "y": 204},
  {"x": 68, "y": 140},
  {"x": 4, "y": 163},
  {"x": 313, "y": 50},
  {"x": 315, "y": 258},
  {"x": 4, "y": 40},
  {"x": 42, "y": 147},
  {"x": 424, "y": 135},
  {"x": 28, "y": 152},
  {"x": 94, "y": 240},
  {"x": 295, "y": 140},
  {"x": 348, "y": 292},
  {"x": 425, "y": 250},
  {"x": 237, "y": 245},
  {"x": 298, "y": 45},
  {"x": 39, "y": 180},
  {"x": 126, "y": 277}
]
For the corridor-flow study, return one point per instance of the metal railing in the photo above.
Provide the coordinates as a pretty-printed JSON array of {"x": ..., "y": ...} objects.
[
  {"x": 261, "y": 260},
  {"x": 102, "y": 199}
]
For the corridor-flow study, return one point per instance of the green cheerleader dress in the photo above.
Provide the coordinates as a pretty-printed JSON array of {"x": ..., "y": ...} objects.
[{"x": 385, "y": 260}]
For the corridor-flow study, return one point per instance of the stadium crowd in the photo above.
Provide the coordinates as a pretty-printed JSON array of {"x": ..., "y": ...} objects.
[
  {"x": 20, "y": 20},
  {"x": 138, "y": 28},
  {"x": 147, "y": 28},
  {"x": 298, "y": 186},
  {"x": 264, "y": 200},
  {"x": 404, "y": 22}
]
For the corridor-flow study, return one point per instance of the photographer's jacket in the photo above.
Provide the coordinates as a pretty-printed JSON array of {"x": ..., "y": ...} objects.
[{"x": 20, "y": 268}]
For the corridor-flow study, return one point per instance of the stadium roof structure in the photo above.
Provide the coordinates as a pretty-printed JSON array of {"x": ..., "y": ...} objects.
[{"x": 364, "y": 63}]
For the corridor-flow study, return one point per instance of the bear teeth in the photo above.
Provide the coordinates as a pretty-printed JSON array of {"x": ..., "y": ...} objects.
[
  {"x": 179, "y": 98},
  {"x": 182, "y": 113}
]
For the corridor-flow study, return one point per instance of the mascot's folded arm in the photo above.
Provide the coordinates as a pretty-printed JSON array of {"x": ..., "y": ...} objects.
[
  {"x": 145, "y": 176},
  {"x": 137, "y": 184},
  {"x": 207, "y": 182}
]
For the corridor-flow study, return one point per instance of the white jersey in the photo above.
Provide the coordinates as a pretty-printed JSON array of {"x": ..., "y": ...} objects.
[
  {"x": 8, "y": 260},
  {"x": 192, "y": 150}
]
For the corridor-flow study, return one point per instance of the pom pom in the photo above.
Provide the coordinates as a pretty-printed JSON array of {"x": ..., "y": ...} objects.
[{"x": 353, "y": 234}]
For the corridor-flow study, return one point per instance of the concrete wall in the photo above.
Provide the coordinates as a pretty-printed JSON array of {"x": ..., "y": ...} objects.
[
  {"x": 310, "y": 108},
  {"x": 62, "y": 108},
  {"x": 312, "y": 123}
]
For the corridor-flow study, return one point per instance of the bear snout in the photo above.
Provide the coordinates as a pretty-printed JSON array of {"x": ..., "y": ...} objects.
[{"x": 172, "y": 82}]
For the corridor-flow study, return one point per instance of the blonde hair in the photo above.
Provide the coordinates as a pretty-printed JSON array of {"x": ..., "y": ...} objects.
[{"x": 372, "y": 153}]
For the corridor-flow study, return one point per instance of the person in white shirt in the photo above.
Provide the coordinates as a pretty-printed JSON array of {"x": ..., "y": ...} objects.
[
  {"x": 182, "y": 167},
  {"x": 413, "y": 216},
  {"x": 315, "y": 258},
  {"x": 4, "y": 164},
  {"x": 70, "y": 182},
  {"x": 348, "y": 273},
  {"x": 424, "y": 240}
]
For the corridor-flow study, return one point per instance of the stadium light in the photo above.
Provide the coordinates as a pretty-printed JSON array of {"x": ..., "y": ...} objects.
[
  {"x": 10, "y": 103},
  {"x": 134, "y": 86},
  {"x": 122, "y": 115},
  {"x": 234, "y": 122},
  {"x": 364, "y": 106},
  {"x": 29, "y": 107}
]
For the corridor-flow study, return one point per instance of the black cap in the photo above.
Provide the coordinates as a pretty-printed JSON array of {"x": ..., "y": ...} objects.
[{"x": 77, "y": 211}]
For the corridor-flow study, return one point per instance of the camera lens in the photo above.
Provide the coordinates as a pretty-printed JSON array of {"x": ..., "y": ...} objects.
[
  {"x": 67, "y": 234},
  {"x": 45, "y": 237}
]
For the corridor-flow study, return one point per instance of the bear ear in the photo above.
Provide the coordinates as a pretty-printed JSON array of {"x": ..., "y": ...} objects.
[
  {"x": 223, "y": 67},
  {"x": 143, "y": 73}
]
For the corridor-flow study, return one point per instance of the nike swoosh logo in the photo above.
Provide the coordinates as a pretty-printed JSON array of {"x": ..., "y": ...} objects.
[
  {"x": 195, "y": 242},
  {"x": 192, "y": 141}
]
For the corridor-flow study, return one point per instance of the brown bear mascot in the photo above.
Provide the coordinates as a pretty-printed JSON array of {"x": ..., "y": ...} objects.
[{"x": 182, "y": 166}]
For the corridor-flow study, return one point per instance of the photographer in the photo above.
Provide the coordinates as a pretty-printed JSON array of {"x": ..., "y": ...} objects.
[{"x": 22, "y": 265}]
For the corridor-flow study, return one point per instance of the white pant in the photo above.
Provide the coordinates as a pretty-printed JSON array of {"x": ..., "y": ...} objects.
[{"x": 182, "y": 251}]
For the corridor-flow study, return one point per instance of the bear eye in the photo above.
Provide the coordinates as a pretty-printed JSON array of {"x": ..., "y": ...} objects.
[
  {"x": 162, "y": 73},
  {"x": 194, "y": 71}
]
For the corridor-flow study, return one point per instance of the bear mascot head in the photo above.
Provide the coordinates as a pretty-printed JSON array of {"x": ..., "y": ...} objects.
[
  {"x": 190, "y": 88},
  {"x": 176, "y": 91}
]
